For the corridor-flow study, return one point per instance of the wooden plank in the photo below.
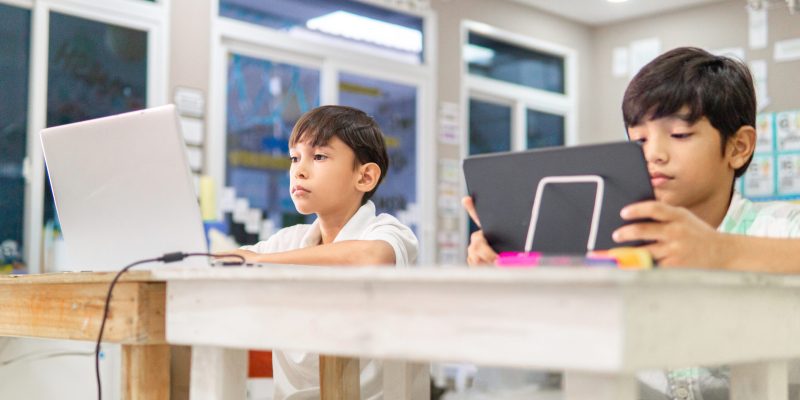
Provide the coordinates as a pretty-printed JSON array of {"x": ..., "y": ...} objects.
[
  {"x": 339, "y": 378},
  {"x": 146, "y": 372},
  {"x": 76, "y": 277},
  {"x": 73, "y": 311},
  {"x": 218, "y": 373},
  {"x": 760, "y": 381}
]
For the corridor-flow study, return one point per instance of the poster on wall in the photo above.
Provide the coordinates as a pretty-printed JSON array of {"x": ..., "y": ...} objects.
[
  {"x": 774, "y": 173},
  {"x": 764, "y": 142},
  {"x": 789, "y": 174},
  {"x": 758, "y": 181},
  {"x": 788, "y": 128}
]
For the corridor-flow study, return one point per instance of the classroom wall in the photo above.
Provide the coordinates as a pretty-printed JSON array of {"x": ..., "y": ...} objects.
[{"x": 714, "y": 26}]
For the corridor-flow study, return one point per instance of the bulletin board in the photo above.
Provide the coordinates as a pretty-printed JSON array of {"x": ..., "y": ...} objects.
[{"x": 774, "y": 173}]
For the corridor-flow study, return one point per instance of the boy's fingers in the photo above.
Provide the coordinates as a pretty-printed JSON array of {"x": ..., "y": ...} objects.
[
  {"x": 652, "y": 209},
  {"x": 469, "y": 205},
  {"x": 639, "y": 231},
  {"x": 479, "y": 252}
]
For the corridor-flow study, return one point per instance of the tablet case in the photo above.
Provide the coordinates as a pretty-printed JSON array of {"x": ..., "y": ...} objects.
[{"x": 580, "y": 190}]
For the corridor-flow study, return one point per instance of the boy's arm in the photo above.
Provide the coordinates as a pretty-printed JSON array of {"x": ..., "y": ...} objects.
[
  {"x": 683, "y": 240},
  {"x": 345, "y": 253}
]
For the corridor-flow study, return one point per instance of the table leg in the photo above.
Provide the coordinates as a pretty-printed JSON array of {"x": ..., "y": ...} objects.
[
  {"x": 406, "y": 380},
  {"x": 760, "y": 381},
  {"x": 339, "y": 378},
  {"x": 590, "y": 386},
  {"x": 145, "y": 372},
  {"x": 218, "y": 373}
]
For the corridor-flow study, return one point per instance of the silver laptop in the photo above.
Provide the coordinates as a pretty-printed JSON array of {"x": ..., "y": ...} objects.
[{"x": 123, "y": 189}]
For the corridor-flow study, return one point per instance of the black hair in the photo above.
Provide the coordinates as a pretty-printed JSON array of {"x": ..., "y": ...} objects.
[
  {"x": 716, "y": 87},
  {"x": 352, "y": 126}
]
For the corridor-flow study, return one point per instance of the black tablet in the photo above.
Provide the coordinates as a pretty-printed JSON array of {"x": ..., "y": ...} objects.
[{"x": 557, "y": 200}]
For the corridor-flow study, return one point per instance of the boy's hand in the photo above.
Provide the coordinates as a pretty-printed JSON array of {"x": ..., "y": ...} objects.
[
  {"x": 681, "y": 239},
  {"x": 479, "y": 252}
]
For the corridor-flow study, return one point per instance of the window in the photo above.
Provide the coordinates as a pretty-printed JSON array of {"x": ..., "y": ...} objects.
[
  {"x": 520, "y": 93},
  {"x": 97, "y": 59},
  {"x": 507, "y": 62},
  {"x": 544, "y": 129},
  {"x": 530, "y": 85},
  {"x": 336, "y": 21},
  {"x": 94, "y": 70},
  {"x": 394, "y": 107},
  {"x": 14, "y": 56},
  {"x": 489, "y": 127},
  {"x": 278, "y": 34},
  {"x": 265, "y": 99}
]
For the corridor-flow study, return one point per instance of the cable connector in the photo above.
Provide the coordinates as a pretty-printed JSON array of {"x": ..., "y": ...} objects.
[{"x": 172, "y": 257}]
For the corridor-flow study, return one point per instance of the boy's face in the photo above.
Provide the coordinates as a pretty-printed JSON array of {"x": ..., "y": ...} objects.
[
  {"x": 323, "y": 179},
  {"x": 686, "y": 163}
]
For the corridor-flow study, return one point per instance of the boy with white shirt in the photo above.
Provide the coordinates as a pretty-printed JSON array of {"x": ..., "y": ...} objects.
[{"x": 339, "y": 158}]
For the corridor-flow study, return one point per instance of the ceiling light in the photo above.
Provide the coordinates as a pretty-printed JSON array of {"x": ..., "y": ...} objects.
[{"x": 357, "y": 27}]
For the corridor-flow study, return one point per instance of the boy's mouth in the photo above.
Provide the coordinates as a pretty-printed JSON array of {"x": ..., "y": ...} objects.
[
  {"x": 658, "y": 179},
  {"x": 299, "y": 190}
]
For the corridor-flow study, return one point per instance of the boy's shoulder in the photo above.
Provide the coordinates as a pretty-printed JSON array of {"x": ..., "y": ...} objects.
[{"x": 778, "y": 219}]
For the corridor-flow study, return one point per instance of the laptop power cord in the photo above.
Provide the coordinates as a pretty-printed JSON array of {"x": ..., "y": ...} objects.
[{"x": 166, "y": 258}]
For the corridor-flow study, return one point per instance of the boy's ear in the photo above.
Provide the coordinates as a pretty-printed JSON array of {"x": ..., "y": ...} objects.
[
  {"x": 741, "y": 146},
  {"x": 369, "y": 175}
]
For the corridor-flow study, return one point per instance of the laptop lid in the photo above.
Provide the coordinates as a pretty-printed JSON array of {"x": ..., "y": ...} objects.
[
  {"x": 580, "y": 190},
  {"x": 123, "y": 189}
]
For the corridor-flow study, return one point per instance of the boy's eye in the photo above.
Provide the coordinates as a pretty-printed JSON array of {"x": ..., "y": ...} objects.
[
  {"x": 640, "y": 140},
  {"x": 680, "y": 135},
  {"x": 293, "y": 159},
  {"x": 320, "y": 157}
]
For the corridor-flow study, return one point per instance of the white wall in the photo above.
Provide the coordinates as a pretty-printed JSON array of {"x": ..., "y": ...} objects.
[{"x": 714, "y": 26}]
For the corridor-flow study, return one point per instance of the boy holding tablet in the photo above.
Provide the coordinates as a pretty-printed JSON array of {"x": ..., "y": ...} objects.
[{"x": 694, "y": 114}]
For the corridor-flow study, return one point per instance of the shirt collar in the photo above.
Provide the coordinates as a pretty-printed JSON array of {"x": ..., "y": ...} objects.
[
  {"x": 350, "y": 231},
  {"x": 736, "y": 204}
]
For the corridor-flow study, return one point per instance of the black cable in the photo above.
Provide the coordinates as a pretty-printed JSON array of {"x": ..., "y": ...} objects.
[{"x": 166, "y": 258}]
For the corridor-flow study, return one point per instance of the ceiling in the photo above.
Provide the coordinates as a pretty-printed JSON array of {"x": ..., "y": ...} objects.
[{"x": 602, "y": 12}]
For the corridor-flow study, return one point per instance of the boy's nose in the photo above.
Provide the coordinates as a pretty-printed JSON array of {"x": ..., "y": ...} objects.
[
  {"x": 299, "y": 170},
  {"x": 656, "y": 152}
]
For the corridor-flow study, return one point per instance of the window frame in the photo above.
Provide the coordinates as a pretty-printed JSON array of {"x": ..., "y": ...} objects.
[
  {"x": 521, "y": 98},
  {"x": 152, "y": 18},
  {"x": 233, "y": 36}
]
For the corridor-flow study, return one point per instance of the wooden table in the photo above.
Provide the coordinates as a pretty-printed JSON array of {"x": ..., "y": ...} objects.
[
  {"x": 70, "y": 306},
  {"x": 600, "y": 326}
]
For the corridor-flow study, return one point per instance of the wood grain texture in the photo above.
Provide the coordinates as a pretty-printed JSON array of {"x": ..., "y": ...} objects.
[
  {"x": 339, "y": 378},
  {"x": 75, "y": 277},
  {"x": 146, "y": 372},
  {"x": 45, "y": 308}
]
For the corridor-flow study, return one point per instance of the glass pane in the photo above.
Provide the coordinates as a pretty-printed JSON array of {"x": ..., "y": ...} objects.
[
  {"x": 489, "y": 131},
  {"x": 489, "y": 127},
  {"x": 544, "y": 130},
  {"x": 394, "y": 107},
  {"x": 94, "y": 70},
  {"x": 265, "y": 99},
  {"x": 14, "y": 55},
  {"x": 346, "y": 21},
  {"x": 496, "y": 59}
]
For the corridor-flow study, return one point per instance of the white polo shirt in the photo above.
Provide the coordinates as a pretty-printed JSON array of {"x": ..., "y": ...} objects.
[{"x": 297, "y": 373}]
